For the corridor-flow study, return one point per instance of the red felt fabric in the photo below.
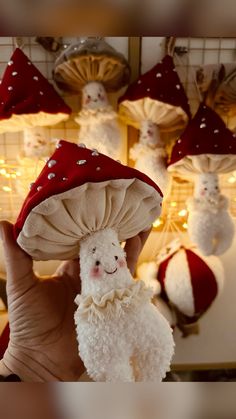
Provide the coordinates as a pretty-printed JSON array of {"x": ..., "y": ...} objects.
[
  {"x": 214, "y": 138},
  {"x": 203, "y": 282},
  {"x": 28, "y": 95},
  {"x": 4, "y": 340},
  {"x": 69, "y": 175},
  {"x": 166, "y": 88}
]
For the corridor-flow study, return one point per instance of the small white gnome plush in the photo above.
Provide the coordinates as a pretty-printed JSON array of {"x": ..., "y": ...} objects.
[
  {"x": 150, "y": 156},
  {"x": 122, "y": 336},
  {"x": 98, "y": 121},
  {"x": 36, "y": 142},
  {"x": 211, "y": 227}
]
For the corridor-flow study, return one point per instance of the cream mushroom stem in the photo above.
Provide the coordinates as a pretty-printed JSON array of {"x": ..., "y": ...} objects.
[{"x": 103, "y": 265}]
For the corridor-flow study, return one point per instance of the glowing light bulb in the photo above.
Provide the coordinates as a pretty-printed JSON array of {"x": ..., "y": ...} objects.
[
  {"x": 182, "y": 213},
  {"x": 3, "y": 172},
  {"x": 232, "y": 179},
  {"x": 157, "y": 223},
  {"x": 6, "y": 189},
  {"x": 2, "y": 161},
  {"x": 173, "y": 204},
  {"x": 185, "y": 226}
]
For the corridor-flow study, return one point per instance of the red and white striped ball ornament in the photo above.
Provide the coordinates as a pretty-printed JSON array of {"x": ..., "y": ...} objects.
[{"x": 190, "y": 282}]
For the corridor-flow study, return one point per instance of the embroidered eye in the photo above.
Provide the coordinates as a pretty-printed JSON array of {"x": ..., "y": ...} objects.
[
  {"x": 88, "y": 97},
  {"x": 113, "y": 244},
  {"x": 116, "y": 257},
  {"x": 205, "y": 189},
  {"x": 94, "y": 250},
  {"x": 97, "y": 263}
]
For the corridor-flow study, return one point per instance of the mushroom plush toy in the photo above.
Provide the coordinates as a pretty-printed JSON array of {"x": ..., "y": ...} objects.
[
  {"x": 92, "y": 67},
  {"x": 190, "y": 283},
  {"x": 29, "y": 103},
  {"x": 205, "y": 149},
  {"x": 155, "y": 103},
  {"x": 84, "y": 204}
]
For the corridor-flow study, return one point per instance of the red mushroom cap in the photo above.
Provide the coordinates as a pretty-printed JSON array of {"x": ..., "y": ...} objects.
[
  {"x": 158, "y": 96},
  {"x": 206, "y": 145},
  {"x": 194, "y": 292},
  {"x": 80, "y": 191},
  {"x": 27, "y": 98}
]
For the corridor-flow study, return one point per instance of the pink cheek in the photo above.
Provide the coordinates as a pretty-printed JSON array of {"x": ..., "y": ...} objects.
[
  {"x": 96, "y": 272},
  {"x": 87, "y": 100},
  {"x": 122, "y": 263},
  {"x": 202, "y": 193}
]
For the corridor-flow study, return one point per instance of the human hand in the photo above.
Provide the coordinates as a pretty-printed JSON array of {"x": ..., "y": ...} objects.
[{"x": 43, "y": 345}]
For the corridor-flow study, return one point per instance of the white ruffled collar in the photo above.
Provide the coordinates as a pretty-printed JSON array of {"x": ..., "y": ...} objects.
[{"x": 114, "y": 303}]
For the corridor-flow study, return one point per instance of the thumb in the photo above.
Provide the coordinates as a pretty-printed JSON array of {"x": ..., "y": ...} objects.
[{"x": 19, "y": 266}]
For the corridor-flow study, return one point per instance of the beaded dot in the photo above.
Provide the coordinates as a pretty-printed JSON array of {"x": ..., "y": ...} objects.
[
  {"x": 64, "y": 178},
  {"x": 177, "y": 86},
  {"x": 81, "y": 162},
  {"x": 203, "y": 119},
  {"x": 158, "y": 75},
  {"x": 29, "y": 63},
  {"x": 95, "y": 152},
  {"x": 2, "y": 103},
  {"x": 14, "y": 73},
  {"x": 58, "y": 145},
  {"x": 39, "y": 188},
  {"x": 10, "y": 88},
  {"x": 215, "y": 145},
  {"x": 216, "y": 131},
  {"x": 180, "y": 152},
  {"x": 52, "y": 163},
  {"x": 139, "y": 81},
  {"x": 82, "y": 145},
  {"x": 234, "y": 135},
  {"x": 51, "y": 176},
  {"x": 41, "y": 93},
  {"x": 35, "y": 78},
  {"x": 179, "y": 141},
  {"x": 230, "y": 146},
  {"x": 98, "y": 168},
  {"x": 174, "y": 69},
  {"x": 203, "y": 126},
  {"x": 148, "y": 89},
  {"x": 197, "y": 145},
  {"x": 10, "y": 62}
]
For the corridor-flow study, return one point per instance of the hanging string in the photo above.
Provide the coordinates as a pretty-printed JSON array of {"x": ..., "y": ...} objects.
[
  {"x": 19, "y": 42},
  {"x": 170, "y": 45}
]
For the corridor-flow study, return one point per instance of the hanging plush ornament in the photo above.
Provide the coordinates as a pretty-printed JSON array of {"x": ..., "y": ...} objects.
[
  {"x": 29, "y": 103},
  {"x": 155, "y": 103},
  {"x": 92, "y": 67},
  {"x": 84, "y": 204},
  {"x": 207, "y": 147},
  {"x": 190, "y": 283}
]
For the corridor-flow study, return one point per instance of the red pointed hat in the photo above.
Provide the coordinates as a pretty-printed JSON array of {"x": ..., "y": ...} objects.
[
  {"x": 190, "y": 281},
  {"x": 206, "y": 145},
  {"x": 158, "y": 96},
  {"x": 27, "y": 98},
  {"x": 81, "y": 191}
]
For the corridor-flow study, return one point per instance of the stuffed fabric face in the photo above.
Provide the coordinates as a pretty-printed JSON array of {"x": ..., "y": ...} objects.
[
  {"x": 94, "y": 96},
  {"x": 149, "y": 134},
  {"x": 207, "y": 187},
  {"x": 36, "y": 143}
]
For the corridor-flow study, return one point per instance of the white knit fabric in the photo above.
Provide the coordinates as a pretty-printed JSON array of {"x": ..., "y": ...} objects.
[{"x": 54, "y": 228}]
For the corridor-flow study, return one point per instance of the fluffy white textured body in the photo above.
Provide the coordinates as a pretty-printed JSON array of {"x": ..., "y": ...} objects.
[
  {"x": 150, "y": 156},
  {"x": 98, "y": 121},
  {"x": 211, "y": 227},
  {"x": 122, "y": 336}
]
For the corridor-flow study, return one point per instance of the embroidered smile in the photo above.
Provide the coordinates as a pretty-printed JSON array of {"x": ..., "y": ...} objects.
[{"x": 110, "y": 273}]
